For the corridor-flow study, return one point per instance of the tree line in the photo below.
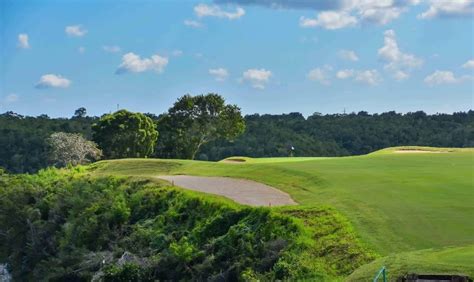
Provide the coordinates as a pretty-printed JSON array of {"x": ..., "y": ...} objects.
[
  {"x": 205, "y": 127},
  {"x": 29, "y": 144}
]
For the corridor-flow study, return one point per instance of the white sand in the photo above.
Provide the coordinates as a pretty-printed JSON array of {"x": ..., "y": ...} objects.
[{"x": 242, "y": 191}]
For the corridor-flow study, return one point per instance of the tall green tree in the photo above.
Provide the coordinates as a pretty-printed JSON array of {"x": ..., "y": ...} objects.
[
  {"x": 80, "y": 113},
  {"x": 124, "y": 134},
  {"x": 197, "y": 120}
]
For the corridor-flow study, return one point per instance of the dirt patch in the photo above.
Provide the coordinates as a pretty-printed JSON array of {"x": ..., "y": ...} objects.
[
  {"x": 242, "y": 191},
  {"x": 419, "y": 151}
]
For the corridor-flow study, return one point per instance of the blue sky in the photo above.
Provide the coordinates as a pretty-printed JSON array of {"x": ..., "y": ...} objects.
[{"x": 267, "y": 56}]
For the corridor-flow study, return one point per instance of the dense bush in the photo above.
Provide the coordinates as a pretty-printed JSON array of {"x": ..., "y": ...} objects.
[{"x": 65, "y": 226}]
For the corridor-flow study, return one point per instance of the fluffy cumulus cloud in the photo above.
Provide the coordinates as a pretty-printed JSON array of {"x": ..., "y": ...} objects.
[
  {"x": 23, "y": 41},
  {"x": 397, "y": 62},
  {"x": 258, "y": 78},
  {"x": 469, "y": 64},
  {"x": 348, "y": 55},
  {"x": 75, "y": 30},
  {"x": 444, "y": 77},
  {"x": 111, "y": 49},
  {"x": 204, "y": 10},
  {"x": 343, "y": 74},
  {"x": 448, "y": 8},
  {"x": 379, "y": 11},
  {"x": 329, "y": 20},
  {"x": 369, "y": 77},
  {"x": 133, "y": 63},
  {"x": 320, "y": 75},
  {"x": 53, "y": 81},
  {"x": 348, "y": 13},
  {"x": 220, "y": 74},
  {"x": 192, "y": 23}
]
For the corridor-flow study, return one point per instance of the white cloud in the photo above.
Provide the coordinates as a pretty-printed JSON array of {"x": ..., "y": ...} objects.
[
  {"x": 11, "y": 98},
  {"x": 81, "y": 50},
  {"x": 111, "y": 49},
  {"x": 75, "y": 30},
  {"x": 191, "y": 23},
  {"x": 220, "y": 74},
  {"x": 258, "y": 78},
  {"x": 397, "y": 62},
  {"x": 444, "y": 77},
  {"x": 343, "y": 74},
  {"x": 348, "y": 55},
  {"x": 204, "y": 10},
  {"x": 320, "y": 75},
  {"x": 133, "y": 63},
  {"x": 370, "y": 77},
  {"x": 469, "y": 64},
  {"x": 348, "y": 13},
  {"x": 53, "y": 81},
  {"x": 448, "y": 8},
  {"x": 177, "y": 53},
  {"x": 329, "y": 20},
  {"x": 380, "y": 12},
  {"x": 381, "y": 16},
  {"x": 23, "y": 41}
]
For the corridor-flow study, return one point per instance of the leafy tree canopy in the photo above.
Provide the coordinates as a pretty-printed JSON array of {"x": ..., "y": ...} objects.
[
  {"x": 80, "y": 113},
  {"x": 197, "y": 120},
  {"x": 124, "y": 134}
]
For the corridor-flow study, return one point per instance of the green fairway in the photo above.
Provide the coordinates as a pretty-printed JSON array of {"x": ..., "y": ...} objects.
[{"x": 397, "y": 202}]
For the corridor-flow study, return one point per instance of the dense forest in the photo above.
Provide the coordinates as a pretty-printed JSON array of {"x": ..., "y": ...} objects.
[{"x": 23, "y": 146}]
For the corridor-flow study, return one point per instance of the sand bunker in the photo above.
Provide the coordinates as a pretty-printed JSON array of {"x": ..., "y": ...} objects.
[
  {"x": 418, "y": 151},
  {"x": 242, "y": 191},
  {"x": 234, "y": 161}
]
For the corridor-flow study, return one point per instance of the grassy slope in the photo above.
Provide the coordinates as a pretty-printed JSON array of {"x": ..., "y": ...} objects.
[
  {"x": 454, "y": 260},
  {"x": 397, "y": 202}
]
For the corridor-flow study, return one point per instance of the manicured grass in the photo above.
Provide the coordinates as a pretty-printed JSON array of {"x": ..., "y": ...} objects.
[{"x": 397, "y": 202}]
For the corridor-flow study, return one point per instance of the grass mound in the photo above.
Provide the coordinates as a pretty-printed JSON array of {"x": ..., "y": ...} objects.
[
  {"x": 449, "y": 260},
  {"x": 422, "y": 149},
  {"x": 68, "y": 226}
]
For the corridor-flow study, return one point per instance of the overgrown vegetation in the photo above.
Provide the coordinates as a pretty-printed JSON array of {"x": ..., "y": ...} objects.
[
  {"x": 24, "y": 148},
  {"x": 63, "y": 225}
]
